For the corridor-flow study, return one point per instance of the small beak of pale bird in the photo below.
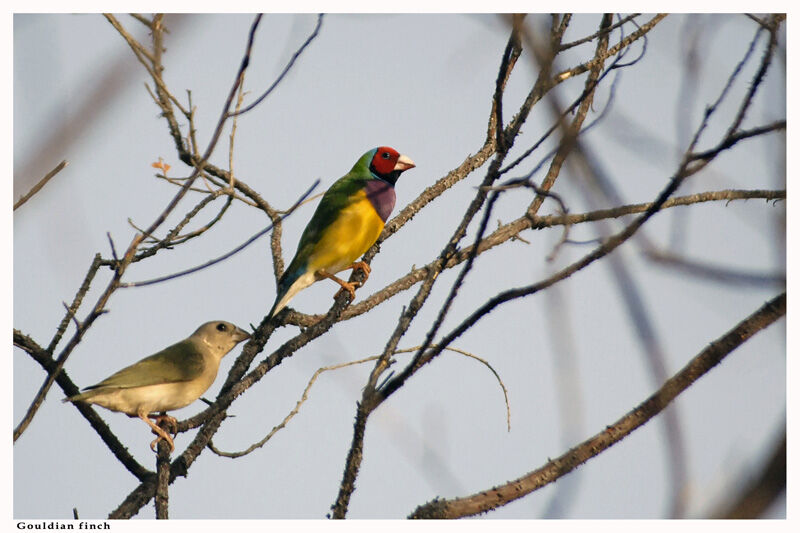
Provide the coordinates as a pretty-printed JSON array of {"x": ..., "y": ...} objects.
[
  {"x": 404, "y": 163},
  {"x": 241, "y": 335}
]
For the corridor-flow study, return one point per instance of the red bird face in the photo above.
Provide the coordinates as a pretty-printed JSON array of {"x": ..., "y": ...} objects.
[{"x": 387, "y": 162}]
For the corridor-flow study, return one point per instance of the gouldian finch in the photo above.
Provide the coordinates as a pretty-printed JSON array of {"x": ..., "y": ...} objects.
[
  {"x": 170, "y": 379},
  {"x": 348, "y": 220}
]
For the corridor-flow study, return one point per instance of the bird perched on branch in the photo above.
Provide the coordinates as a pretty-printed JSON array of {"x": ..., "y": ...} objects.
[
  {"x": 348, "y": 220},
  {"x": 170, "y": 379}
]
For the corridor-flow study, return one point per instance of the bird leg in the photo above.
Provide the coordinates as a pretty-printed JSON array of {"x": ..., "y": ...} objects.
[
  {"x": 171, "y": 421},
  {"x": 162, "y": 435},
  {"x": 346, "y": 286}
]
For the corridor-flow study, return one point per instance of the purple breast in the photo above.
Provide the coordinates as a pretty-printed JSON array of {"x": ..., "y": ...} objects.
[{"x": 381, "y": 196}]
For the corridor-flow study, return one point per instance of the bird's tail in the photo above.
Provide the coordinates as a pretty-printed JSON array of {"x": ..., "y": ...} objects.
[
  {"x": 80, "y": 397},
  {"x": 275, "y": 309},
  {"x": 292, "y": 282}
]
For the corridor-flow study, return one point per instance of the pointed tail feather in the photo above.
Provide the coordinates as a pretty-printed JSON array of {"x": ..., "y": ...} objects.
[
  {"x": 288, "y": 286},
  {"x": 80, "y": 397}
]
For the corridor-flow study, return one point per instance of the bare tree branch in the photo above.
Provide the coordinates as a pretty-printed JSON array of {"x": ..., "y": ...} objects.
[
  {"x": 223, "y": 257},
  {"x": 162, "y": 482},
  {"x": 45, "y": 359},
  {"x": 304, "y": 398},
  {"x": 41, "y": 183},
  {"x": 614, "y": 50},
  {"x": 554, "y": 469},
  {"x": 285, "y": 70},
  {"x": 717, "y": 273}
]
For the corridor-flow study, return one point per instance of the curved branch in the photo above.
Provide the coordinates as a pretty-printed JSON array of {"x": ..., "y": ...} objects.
[
  {"x": 614, "y": 50},
  {"x": 315, "y": 376},
  {"x": 223, "y": 257},
  {"x": 286, "y": 69},
  {"x": 703, "y": 362},
  {"x": 98, "y": 424}
]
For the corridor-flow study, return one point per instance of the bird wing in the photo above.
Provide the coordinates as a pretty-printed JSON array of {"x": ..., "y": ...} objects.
[
  {"x": 341, "y": 194},
  {"x": 179, "y": 362}
]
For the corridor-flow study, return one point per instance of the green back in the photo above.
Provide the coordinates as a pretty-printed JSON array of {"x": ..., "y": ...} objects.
[{"x": 179, "y": 362}]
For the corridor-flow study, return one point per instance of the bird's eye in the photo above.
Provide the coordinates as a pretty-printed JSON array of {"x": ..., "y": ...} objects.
[
  {"x": 222, "y": 327},
  {"x": 386, "y": 155}
]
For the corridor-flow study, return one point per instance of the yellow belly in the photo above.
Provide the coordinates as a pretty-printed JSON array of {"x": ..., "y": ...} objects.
[{"x": 356, "y": 228}]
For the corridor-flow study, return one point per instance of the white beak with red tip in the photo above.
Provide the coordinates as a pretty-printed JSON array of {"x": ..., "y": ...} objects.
[{"x": 404, "y": 163}]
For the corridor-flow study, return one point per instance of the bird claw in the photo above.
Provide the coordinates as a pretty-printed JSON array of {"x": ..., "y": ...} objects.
[
  {"x": 164, "y": 437},
  {"x": 363, "y": 267},
  {"x": 171, "y": 421},
  {"x": 349, "y": 288}
]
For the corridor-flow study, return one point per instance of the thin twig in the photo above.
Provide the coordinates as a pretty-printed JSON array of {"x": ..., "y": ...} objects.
[
  {"x": 221, "y": 258},
  {"x": 42, "y": 182},
  {"x": 614, "y": 50},
  {"x": 292, "y": 413},
  {"x": 147, "y": 59},
  {"x": 718, "y": 273},
  {"x": 286, "y": 69},
  {"x": 141, "y": 18},
  {"x": 76, "y": 303},
  {"x": 172, "y": 238},
  {"x": 180, "y": 239},
  {"x": 739, "y": 136},
  {"x": 45, "y": 360},
  {"x": 556, "y": 468},
  {"x": 232, "y": 136},
  {"x": 304, "y": 398},
  {"x": 604, "y": 31}
]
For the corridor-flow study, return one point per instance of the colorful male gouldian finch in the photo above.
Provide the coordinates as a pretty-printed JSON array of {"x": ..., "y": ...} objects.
[
  {"x": 170, "y": 379},
  {"x": 348, "y": 220}
]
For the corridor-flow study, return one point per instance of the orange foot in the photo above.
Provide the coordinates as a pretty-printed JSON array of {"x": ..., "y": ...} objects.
[
  {"x": 363, "y": 267},
  {"x": 171, "y": 421},
  {"x": 346, "y": 286},
  {"x": 162, "y": 435},
  {"x": 359, "y": 266}
]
